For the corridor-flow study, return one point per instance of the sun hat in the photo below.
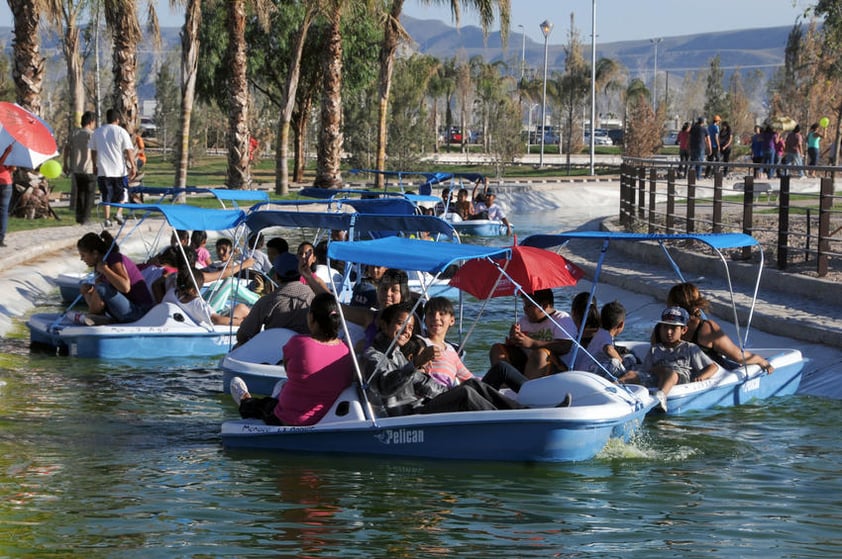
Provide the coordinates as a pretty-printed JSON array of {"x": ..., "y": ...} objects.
[{"x": 674, "y": 316}]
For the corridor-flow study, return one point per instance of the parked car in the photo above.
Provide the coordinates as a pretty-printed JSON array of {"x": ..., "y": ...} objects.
[
  {"x": 617, "y": 136},
  {"x": 600, "y": 137},
  {"x": 550, "y": 135},
  {"x": 671, "y": 138},
  {"x": 148, "y": 128},
  {"x": 454, "y": 135}
]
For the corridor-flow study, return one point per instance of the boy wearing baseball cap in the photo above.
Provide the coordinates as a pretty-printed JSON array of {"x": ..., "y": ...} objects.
[{"x": 672, "y": 360}]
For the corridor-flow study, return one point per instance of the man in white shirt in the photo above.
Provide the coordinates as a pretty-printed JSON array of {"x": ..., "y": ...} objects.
[{"x": 112, "y": 151}]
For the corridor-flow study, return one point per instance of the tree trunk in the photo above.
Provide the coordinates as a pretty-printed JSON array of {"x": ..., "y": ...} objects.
[
  {"x": 329, "y": 155},
  {"x": 299, "y": 127},
  {"x": 282, "y": 155},
  {"x": 238, "y": 133},
  {"x": 189, "y": 68},
  {"x": 121, "y": 16},
  {"x": 387, "y": 64},
  {"x": 75, "y": 81},
  {"x": 28, "y": 68}
]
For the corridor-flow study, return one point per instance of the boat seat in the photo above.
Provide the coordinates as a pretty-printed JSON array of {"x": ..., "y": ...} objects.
[
  {"x": 347, "y": 407},
  {"x": 586, "y": 389}
]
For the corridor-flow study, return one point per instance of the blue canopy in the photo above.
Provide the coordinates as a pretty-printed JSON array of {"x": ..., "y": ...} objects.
[
  {"x": 219, "y": 193},
  {"x": 714, "y": 240},
  {"x": 358, "y": 224},
  {"x": 182, "y": 216},
  {"x": 411, "y": 254},
  {"x": 257, "y": 220},
  {"x": 247, "y": 195}
]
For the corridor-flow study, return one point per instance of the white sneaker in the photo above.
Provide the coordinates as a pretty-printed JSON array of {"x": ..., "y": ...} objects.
[
  {"x": 238, "y": 389},
  {"x": 662, "y": 400}
]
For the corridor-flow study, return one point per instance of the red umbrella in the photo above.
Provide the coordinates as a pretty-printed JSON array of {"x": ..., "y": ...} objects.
[
  {"x": 32, "y": 138},
  {"x": 532, "y": 268}
]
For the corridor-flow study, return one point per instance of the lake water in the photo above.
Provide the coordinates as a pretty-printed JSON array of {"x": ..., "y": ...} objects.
[{"x": 125, "y": 460}]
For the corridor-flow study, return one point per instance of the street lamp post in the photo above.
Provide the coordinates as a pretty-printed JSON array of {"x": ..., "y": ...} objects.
[
  {"x": 522, "y": 51},
  {"x": 546, "y": 27},
  {"x": 529, "y": 128},
  {"x": 591, "y": 149},
  {"x": 655, "y": 75}
]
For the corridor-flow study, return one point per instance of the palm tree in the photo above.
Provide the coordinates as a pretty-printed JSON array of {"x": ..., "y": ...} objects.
[
  {"x": 64, "y": 16},
  {"x": 238, "y": 97},
  {"x": 329, "y": 152},
  {"x": 121, "y": 19},
  {"x": 290, "y": 92},
  {"x": 238, "y": 91},
  {"x": 28, "y": 66},
  {"x": 189, "y": 68},
  {"x": 394, "y": 33}
]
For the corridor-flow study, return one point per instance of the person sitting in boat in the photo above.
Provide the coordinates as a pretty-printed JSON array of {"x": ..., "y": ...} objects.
[
  {"x": 396, "y": 385},
  {"x": 446, "y": 367},
  {"x": 488, "y": 209},
  {"x": 198, "y": 242},
  {"x": 186, "y": 296},
  {"x": 463, "y": 206},
  {"x": 255, "y": 250},
  {"x": 579, "y": 310},
  {"x": 225, "y": 252},
  {"x": 446, "y": 202},
  {"x": 364, "y": 293},
  {"x": 119, "y": 293},
  {"x": 285, "y": 307},
  {"x": 539, "y": 339},
  {"x": 161, "y": 277},
  {"x": 670, "y": 359},
  {"x": 609, "y": 360},
  {"x": 325, "y": 272},
  {"x": 707, "y": 334},
  {"x": 392, "y": 288},
  {"x": 318, "y": 366}
]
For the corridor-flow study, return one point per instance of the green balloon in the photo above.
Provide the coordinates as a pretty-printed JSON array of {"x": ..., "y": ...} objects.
[
  {"x": 51, "y": 169},
  {"x": 824, "y": 122}
]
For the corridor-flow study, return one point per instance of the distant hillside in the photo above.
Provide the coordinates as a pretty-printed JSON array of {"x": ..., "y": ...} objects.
[{"x": 746, "y": 49}]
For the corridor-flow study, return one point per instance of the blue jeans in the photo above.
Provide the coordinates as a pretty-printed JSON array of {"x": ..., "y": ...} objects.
[
  {"x": 120, "y": 307},
  {"x": 5, "y": 201}
]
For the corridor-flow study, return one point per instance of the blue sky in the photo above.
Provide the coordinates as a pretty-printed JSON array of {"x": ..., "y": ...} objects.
[{"x": 617, "y": 20}]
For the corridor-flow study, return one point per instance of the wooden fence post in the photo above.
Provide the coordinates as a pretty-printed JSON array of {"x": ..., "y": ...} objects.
[
  {"x": 653, "y": 187},
  {"x": 691, "y": 206},
  {"x": 825, "y": 207},
  {"x": 670, "y": 217},
  {"x": 641, "y": 193},
  {"x": 783, "y": 224},
  {"x": 748, "y": 212},
  {"x": 717, "y": 208}
]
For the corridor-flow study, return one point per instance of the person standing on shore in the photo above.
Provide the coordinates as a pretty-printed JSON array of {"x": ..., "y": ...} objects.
[
  {"x": 79, "y": 163},
  {"x": 114, "y": 162},
  {"x": 699, "y": 144},
  {"x": 6, "y": 186}
]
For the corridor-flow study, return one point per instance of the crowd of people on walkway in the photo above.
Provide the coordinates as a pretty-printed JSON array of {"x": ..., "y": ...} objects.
[{"x": 771, "y": 147}]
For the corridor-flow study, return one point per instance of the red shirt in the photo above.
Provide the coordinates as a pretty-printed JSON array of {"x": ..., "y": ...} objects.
[{"x": 5, "y": 174}]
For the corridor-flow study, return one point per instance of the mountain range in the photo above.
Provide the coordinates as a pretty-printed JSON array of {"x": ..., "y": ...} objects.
[{"x": 741, "y": 50}]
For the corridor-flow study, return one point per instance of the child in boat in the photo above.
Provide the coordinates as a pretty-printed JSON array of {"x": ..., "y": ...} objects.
[
  {"x": 445, "y": 366},
  {"x": 185, "y": 295},
  {"x": 199, "y": 241},
  {"x": 463, "y": 206},
  {"x": 608, "y": 360},
  {"x": 538, "y": 339},
  {"x": 319, "y": 367},
  {"x": 670, "y": 359}
]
